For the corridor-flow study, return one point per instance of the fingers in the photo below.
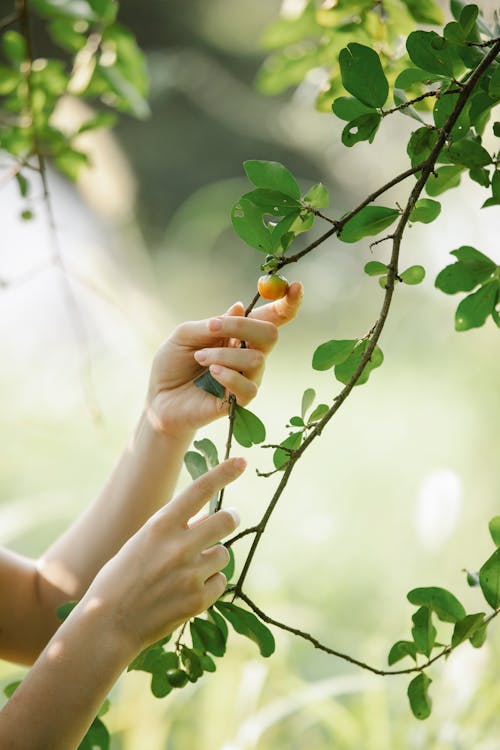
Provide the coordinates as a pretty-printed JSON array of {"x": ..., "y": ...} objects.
[
  {"x": 283, "y": 310},
  {"x": 240, "y": 386},
  {"x": 194, "y": 497},
  {"x": 214, "y": 528},
  {"x": 250, "y": 362}
]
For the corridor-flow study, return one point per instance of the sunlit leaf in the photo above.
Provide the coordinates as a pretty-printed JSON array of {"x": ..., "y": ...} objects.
[
  {"x": 363, "y": 75},
  {"x": 418, "y": 695},
  {"x": 439, "y": 600},
  {"x": 248, "y": 428}
]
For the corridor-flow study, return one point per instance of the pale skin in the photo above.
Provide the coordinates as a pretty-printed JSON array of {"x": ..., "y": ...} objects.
[{"x": 136, "y": 562}]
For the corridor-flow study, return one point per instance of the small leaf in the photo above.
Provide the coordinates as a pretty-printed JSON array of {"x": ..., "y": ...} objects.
[
  {"x": 318, "y": 413},
  {"x": 273, "y": 176},
  {"x": 472, "y": 578},
  {"x": 489, "y": 579},
  {"x": 464, "y": 629},
  {"x": 475, "y": 308},
  {"x": 439, "y": 600},
  {"x": 209, "y": 384},
  {"x": 96, "y": 738},
  {"x": 443, "y": 179},
  {"x": 248, "y": 223},
  {"x": 218, "y": 620},
  {"x": 494, "y": 527},
  {"x": 363, "y": 75},
  {"x": 11, "y": 688},
  {"x": 248, "y": 428},
  {"x": 14, "y": 46},
  {"x": 363, "y": 128},
  {"x": 160, "y": 685},
  {"x": 100, "y": 120},
  {"x": 369, "y": 221},
  {"x": 425, "y": 211},
  {"x": 229, "y": 569},
  {"x": 307, "y": 401},
  {"x": 296, "y": 422},
  {"x": 207, "y": 637},
  {"x": 469, "y": 153},
  {"x": 345, "y": 370},
  {"x": 472, "y": 268},
  {"x": 413, "y": 275},
  {"x": 195, "y": 463},
  {"x": 478, "y": 638},
  {"x": 348, "y": 108},
  {"x": 375, "y": 268},
  {"x": 425, "y": 11},
  {"x": 423, "y": 631},
  {"x": 209, "y": 450},
  {"x": 401, "y": 649},
  {"x": 433, "y": 53},
  {"x": 332, "y": 353},
  {"x": 317, "y": 196},
  {"x": 191, "y": 662},
  {"x": 420, "y": 702},
  {"x": 247, "y": 624},
  {"x": 64, "y": 610},
  {"x": 272, "y": 201},
  {"x": 281, "y": 456}
]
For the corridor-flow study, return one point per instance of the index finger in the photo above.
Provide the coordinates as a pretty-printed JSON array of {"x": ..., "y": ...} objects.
[
  {"x": 194, "y": 497},
  {"x": 282, "y": 310}
]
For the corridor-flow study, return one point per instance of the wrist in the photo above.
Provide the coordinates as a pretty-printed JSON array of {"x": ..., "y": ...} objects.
[{"x": 161, "y": 433}]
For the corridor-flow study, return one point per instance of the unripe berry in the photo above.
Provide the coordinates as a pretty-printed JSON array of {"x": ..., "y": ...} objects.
[{"x": 272, "y": 286}]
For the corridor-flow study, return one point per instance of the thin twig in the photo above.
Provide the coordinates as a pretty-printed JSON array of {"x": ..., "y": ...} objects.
[{"x": 437, "y": 93}]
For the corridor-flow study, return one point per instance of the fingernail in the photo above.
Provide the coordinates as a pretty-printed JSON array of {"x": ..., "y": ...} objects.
[
  {"x": 201, "y": 356},
  {"x": 239, "y": 463},
  {"x": 215, "y": 324},
  {"x": 215, "y": 369},
  {"x": 235, "y": 515}
]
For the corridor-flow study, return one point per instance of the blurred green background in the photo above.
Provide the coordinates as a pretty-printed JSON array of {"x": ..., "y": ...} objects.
[{"x": 398, "y": 491}]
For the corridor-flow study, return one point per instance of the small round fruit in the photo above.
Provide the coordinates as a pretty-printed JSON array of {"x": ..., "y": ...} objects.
[
  {"x": 177, "y": 677},
  {"x": 272, "y": 286}
]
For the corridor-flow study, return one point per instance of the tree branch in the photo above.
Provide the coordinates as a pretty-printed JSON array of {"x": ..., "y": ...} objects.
[{"x": 437, "y": 93}]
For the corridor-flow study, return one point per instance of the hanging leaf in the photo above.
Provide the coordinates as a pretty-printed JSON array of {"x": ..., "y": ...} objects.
[
  {"x": 413, "y": 275},
  {"x": 247, "y": 624},
  {"x": 195, "y": 463},
  {"x": 418, "y": 695},
  {"x": 207, "y": 637},
  {"x": 472, "y": 268},
  {"x": 466, "y": 628},
  {"x": 489, "y": 579},
  {"x": 363, "y": 128},
  {"x": 307, "y": 401},
  {"x": 423, "y": 631},
  {"x": 401, "y": 649},
  {"x": 317, "y": 196},
  {"x": 494, "y": 527},
  {"x": 444, "y": 178},
  {"x": 474, "y": 309}
]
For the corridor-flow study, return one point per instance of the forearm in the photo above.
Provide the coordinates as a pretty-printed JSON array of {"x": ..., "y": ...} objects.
[
  {"x": 143, "y": 480},
  {"x": 59, "y": 698}
]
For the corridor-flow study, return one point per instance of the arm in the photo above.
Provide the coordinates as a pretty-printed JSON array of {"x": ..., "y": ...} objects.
[
  {"x": 166, "y": 573},
  {"x": 146, "y": 473}
]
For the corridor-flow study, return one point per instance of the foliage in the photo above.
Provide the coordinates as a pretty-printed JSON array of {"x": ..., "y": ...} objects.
[{"x": 448, "y": 82}]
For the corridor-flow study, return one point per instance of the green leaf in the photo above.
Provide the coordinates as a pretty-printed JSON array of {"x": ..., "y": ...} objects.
[
  {"x": 248, "y": 223},
  {"x": 474, "y": 309},
  {"x": 317, "y": 196},
  {"x": 420, "y": 702},
  {"x": 401, "y": 649},
  {"x": 443, "y": 110},
  {"x": 469, "y": 153},
  {"x": 71, "y": 162},
  {"x": 478, "y": 638},
  {"x": 209, "y": 450},
  {"x": 280, "y": 456},
  {"x": 375, "y": 268},
  {"x": 273, "y": 202},
  {"x": 443, "y": 179},
  {"x": 472, "y": 268},
  {"x": 420, "y": 145},
  {"x": 442, "y": 602},
  {"x": 423, "y": 631},
  {"x": 100, "y": 120},
  {"x": 345, "y": 371},
  {"x": 425, "y": 211},
  {"x": 247, "y": 624},
  {"x": 248, "y": 429},
  {"x": 77, "y": 9},
  {"x": 209, "y": 384},
  {"x": 207, "y": 663},
  {"x": 489, "y": 579},
  {"x": 481, "y": 176},
  {"x": 307, "y": 401},
  {"x": 369, "y": 221},
  {"x": 363, "y": 128},
  {"x": 11, "y": 688},
  {"x": 218, "y": 620},
  {"x": 22, "y": 184},
  {"x": 332, "y": 353},
  {"x": 425, "y": 11},
  {"x": 229, "y": 569},
  {"x": 160, "y": 684},
  {"x": 363, "y": 75},
  {"x": 318, "y": 413},
  {"x": 64, "y": 35},
  {"x": 9, "y": 80},
  {"x": 494, "y": 527},
  {"x": 195, "y": 463},
  {"x": 14, "y": 47},
  {"x": 472, "y": 579},
  {"x": 413, "y": 275},
  {"x": 96, "y": 738},
  {"x": 154, "y": 659},
  {"x": 207, "y": 637},
  {"x": 64, "y": 610},
  {"x": 494, "y": 87},
  {"x": 192, "y": 664},
  {"x": 348, "y": 108},
  {"x": 273, "y": 176},
  {"x": 433, "y": 53},
  {"x": 296, "y": 421},
  {"x": 464, "y": 629}
]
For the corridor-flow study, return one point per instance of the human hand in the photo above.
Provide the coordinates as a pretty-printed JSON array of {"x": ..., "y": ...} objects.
[
  {"x": 175, "y": 405},
  {"x": 169, "y": 571}
]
